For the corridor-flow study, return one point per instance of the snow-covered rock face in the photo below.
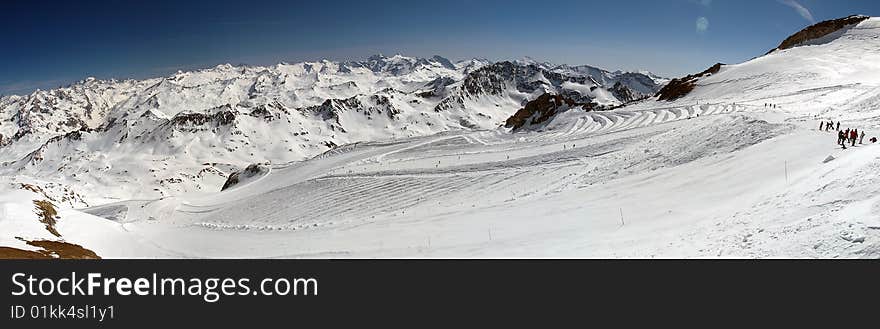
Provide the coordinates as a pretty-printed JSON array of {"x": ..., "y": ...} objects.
[
  {"x": 188, "y": 131},
  {"x": 821, "y": 32},
  {"x": 539, "y": 111}
]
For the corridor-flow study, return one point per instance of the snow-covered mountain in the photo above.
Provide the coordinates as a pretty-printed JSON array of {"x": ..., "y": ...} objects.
[
  {"x": 188, "y": 131},
  {"x": 412, "y": 159},
  {"x": 831, "y": 69}
]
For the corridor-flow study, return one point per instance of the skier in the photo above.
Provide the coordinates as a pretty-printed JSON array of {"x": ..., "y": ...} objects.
[
  {"x": 853, "y": 135},
  {"x": 821, "y": 125},
  {"x": 839, "y": 138},
  {"x": 862, "y": 137},
  {"x": 838, "y": 125}
]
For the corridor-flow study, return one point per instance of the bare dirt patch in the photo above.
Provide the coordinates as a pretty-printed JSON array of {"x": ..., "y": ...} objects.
[{"x": 49, "y": 250}]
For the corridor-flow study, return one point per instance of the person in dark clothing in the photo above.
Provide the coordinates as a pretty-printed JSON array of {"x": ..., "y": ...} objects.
[
  {"x": 830, "y": 125},
  {"x": 853, "y": 135},
  {"x": 821, "y": 125},
  {"x": 862, "y": 137},
  {"x": 838, "y": 125},
  {"x": 839, "y": 138}
]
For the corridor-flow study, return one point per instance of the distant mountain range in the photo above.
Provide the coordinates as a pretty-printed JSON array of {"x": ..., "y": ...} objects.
[{"x": 190, "y": 130}]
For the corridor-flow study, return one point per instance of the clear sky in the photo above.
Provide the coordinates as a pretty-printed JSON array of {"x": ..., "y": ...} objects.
[{"x": 45, "y": 44}]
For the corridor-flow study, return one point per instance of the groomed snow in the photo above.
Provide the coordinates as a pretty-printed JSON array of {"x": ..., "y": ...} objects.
[{"x": 714, "y": 174}]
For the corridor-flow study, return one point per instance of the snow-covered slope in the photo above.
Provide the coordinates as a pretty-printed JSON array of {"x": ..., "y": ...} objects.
[
  {"x": 714, "y": 173},
  {"x": 835, "y": 76},
  {"x": 187, "y": 132}
]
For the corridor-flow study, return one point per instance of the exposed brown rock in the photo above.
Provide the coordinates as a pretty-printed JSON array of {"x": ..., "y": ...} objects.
[
  {"x": 64, "y": 250},
  {"x": 250, "y": 171},
  {"x": 819, "y": 30},
  {"x": 48, "y": 215},
  {"x": 678, "y": 88},
  {"x": 33, "y": 188},
  {"x": 538, "y": 111},
  {"x": 49, "y": 250},
  {"x": 13, "y": 253}
]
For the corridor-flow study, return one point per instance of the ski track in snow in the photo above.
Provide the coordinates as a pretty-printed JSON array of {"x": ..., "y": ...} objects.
[
  {"x": 713, "y": 174},
  {"x": 358, "y": 188}
]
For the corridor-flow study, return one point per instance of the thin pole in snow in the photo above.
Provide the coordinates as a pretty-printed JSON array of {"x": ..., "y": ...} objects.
[
  {"x": 490, "y": 233},
  {"x": 622, "y": 223},
  {"x": 786, "y": 172}
]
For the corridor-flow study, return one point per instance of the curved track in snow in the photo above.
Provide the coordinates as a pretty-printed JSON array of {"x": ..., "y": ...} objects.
[{"x": 365, "y": 182}]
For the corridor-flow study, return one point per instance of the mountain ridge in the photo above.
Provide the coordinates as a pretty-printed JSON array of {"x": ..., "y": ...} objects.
[{"x": 165, "y": 129}]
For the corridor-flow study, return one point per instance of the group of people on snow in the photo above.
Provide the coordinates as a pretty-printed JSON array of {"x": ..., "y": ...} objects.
[
  {"x": 845, "y": 136},
  {"x": 829, "y": 125}
]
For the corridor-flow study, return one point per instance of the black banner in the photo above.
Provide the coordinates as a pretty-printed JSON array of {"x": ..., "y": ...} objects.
[{"x": 416, "y": 293}]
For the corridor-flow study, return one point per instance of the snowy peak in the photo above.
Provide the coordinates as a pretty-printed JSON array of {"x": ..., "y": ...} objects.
[
  {"x": 191, "y": 129},
  {"x": 525, "y": 61},
  {"x": 468, "y": 66},
  {"x": 523, "y": 81},
  {"x": 401, "y": 65},
  {"x": 443, "y": 62}
]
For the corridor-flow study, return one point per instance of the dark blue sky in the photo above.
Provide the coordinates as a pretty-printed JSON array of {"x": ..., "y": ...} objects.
[{"x": 46, "y": 44}]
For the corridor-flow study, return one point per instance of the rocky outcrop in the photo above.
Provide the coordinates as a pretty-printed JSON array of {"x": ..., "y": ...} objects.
[
  {"x": 269, "y": 112},
  {"x": 678, "y": 88},
  {"x": 191, "y": 121},
  {"x": 436, "y": 88},
  {"x": 251, "y": 172},
  {"x": 532, "y": 78},
  {"x": 367, "y": 105},
  {"x": 539, "y": 111},
  {"x": 819, "y": 30},
  {"x": 37, "y": 156},
  {"x": 624, "y": 93}
]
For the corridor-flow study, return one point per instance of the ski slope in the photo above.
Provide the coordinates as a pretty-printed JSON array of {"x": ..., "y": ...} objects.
[
  {"x": 654, "y": 183},
  {"x": 717, "y": 173}
]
